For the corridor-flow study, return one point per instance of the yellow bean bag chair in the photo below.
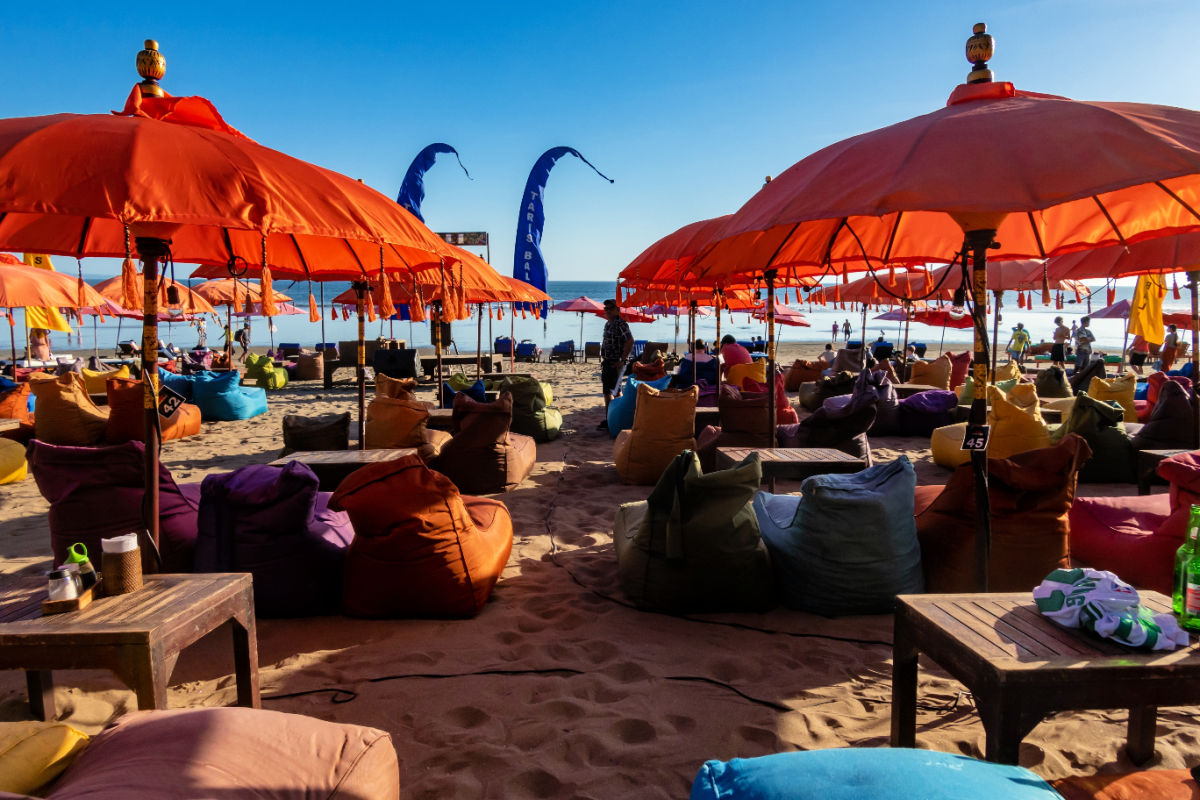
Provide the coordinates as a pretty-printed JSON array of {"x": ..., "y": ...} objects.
[
  {"x": 1024, "y": 396},
  {"x": 1007, "y": 372},
  {"x": 96, "y": 380},
  {"x": 1060, "y": 404},
  {"x": 34, "y": 753},
  {"x": 1119, "y": 389},
  {"x": 12, "y": 461},
  {"x": 1017, "y": 424},
  {"x": 755, "y": 371},
  {"x": 663, "y": 427},
  {"x": 63, "y": 412},
  {"x": 946, "y": 444},
  {"x": 934, "y": 373}
]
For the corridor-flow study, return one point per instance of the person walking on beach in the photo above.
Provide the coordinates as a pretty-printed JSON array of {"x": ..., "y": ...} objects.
[
  {"x": 243, "y": 339},
  {"x": 1083, "y": 343},
  {"x": 201, "y": 334},
  {"x": 846, "y": 329},
  {"x": 1018, "y": 343},
  {"x": 836, "y": 330},
  {"x": 1058, "y": 353},
  {"x": 615, "y": 346},
  {"x": 1170, "y": 348},
  {"x": 1139, "y": 349}
]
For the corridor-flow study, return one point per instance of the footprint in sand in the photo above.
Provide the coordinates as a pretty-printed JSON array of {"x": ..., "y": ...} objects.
[
  {"x": 535, "y": 783},
  {"x": 634, "y": 731},
  {"x": 467, "y": 716}
]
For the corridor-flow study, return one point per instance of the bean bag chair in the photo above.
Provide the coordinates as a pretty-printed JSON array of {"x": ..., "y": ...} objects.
[
  {"x": 96, "y": 493},
  {"x": 1119, "y": 390},
  {"x": 1052, "y": 382},
  {"x": 1016, "y": 422},
  {"x": 743, "y": 424},
  {"x": 127, "y": 416},
  {"x": 1081, "y": 379},
  {"x": 1154, "y": 383},
  {"x": 848, "y": 359},
  {"x": 663, "y": 427},
  {"x": 273, "y": 376},
  {"x": 230, "y": 752},
  {"x": 484, "y": 457},
  {"x": 934, "y": 373},
  {"x": 12, "y": 462},
  {"x": 924, "y": 412},
  {"x": 309, "y": 367},
  {"x": 851, "y": 773},
  {"x": 16, "y": 401},
  {"x": 66, "y": 414},
  {"x": 181, "y": 384},
  {"x": 273, "y": 523},
  {"x": 690, "y": 373},
  {"x": 887, "y": 403},
  {"x": 420, "y": 549},
  {"x": 755, "y": 371},
  {"x": 784, "y": 413},
  {"x": 394, "y": 422},
  {"x": 830, "y": 386},
  {"x": 1062, "y": 405},
  {"x": 848, "y": 545},
  {"x": 1100, "y": 423},
  {"x": 960, "y": 367},
  {"x": 460, "y": 382},
  {"x": 803, "y": 371},
  {"x": 945, "y": 444},
  {"x": 966, "y": 392},
  {"x": 1007, "y": 372},
  {"x": 1136, "y": 537},
  {"x": 256, "y": 365},
  {"x": 1151, "y": 784},
  {"x": 532, "y": 413},
  {"x": 649, "y": 372},
  {"x": 476, "y": 391},
  {"x": 1171, "y": 424},
  {"x": 386, "y": 386},
  {"x": 222, "y": 399},
  {"x": 839, "y": 426},
  {"x": 693, "y": 546},
  {"x": 623, "y": 407},
  {"x": 322, "y": 432},
  {"x": 96, "y": 380},
  {"x": 1030, "y": 495}
]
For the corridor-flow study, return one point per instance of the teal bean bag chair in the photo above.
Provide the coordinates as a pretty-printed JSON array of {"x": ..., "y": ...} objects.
[
  {"x": 532, "y": 413},
  {"x": 851, "y": 773},
  {"x": 221, "y": 398},
  {"x": 849, "y": 544},
  {"x": 624, "y": 405},
  {"x": 179, "y": 383}
]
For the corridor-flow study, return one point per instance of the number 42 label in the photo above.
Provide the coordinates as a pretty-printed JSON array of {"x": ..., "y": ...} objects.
[{"x": 976, "y": 437}]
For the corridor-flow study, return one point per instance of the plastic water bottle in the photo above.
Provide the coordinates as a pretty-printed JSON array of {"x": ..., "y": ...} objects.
[{"x": 1182, "y": 556}]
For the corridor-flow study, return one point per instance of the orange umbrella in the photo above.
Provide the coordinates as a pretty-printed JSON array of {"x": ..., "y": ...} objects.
[
  {"x": 227, "y": 291},
  {"x": 22, "y": 285},
  {"x": 190, "y": 301}
]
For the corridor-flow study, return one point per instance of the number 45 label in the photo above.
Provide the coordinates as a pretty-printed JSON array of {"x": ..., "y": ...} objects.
[{"x": 976, "y": 437}]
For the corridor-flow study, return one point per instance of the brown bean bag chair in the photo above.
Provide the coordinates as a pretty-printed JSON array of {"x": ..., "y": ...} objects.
[
  {"x": 848, "y": 360},
  {"x": 323, "y": 432},
  {"x": 420, "y": 548},
  {"x": 14, "y": 404},
  {"x": 394, "y": 387},
  {"x": 396, "y": 422},
  {"x": 1030, "y": 493},
  {"x": 934, "y": 373},
  {"x": 803, "y": 371},
  {"x": 484, "y": 456},
  {"x": 1052, "y": 382},
  {"x": 127, "y": 418},
  {"x": 663, "y": 427},
  {"x": 64, "y": 412},
  {"x": 310, "y": 366}
]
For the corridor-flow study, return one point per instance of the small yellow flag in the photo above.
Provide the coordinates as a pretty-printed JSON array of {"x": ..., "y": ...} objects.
[
  {"x": 1145, "y": 309},
  {"x": 48, "y": 318}
]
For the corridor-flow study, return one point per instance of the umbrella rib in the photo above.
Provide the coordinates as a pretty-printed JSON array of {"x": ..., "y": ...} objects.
[
  {"x": 1111, "y": 222},
  {"x": 833, "y": 238},
  {"x": 887, "y": 253},
  {"x": 300, "y": 253},
  {"x": 87, "y": 226},
  {"x": 781, "y": 244},
  {"x": 1037, "y": 236},
  {"x": 1177, "y": 199},
  {"x": 356, "y": 258}
]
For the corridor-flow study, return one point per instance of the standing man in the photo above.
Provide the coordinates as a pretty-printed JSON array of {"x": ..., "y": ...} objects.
[
  {"x": 1170, "y": 348},
  {"x": 201, "y": 335},
  {"x": 1083, "y": 343},
  {"x": 836, "y": 329},
  {"x": 243, "y": 340},
  {"x": 1018, "y": 343},
  {"x": 615, "y": 346},
  {"x": 846, "y": 329},
  {"x": 1058, "y": 353}
]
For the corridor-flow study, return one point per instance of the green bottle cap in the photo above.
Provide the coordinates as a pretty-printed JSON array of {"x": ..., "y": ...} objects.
[{"x": 77, "y": 553}]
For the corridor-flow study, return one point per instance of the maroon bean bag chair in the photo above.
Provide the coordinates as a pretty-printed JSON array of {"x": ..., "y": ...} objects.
[
  {"x": 960, "y": 365},
  {"x": 1170, "y": 424},
  {"x": 1154, "y": 383},
  {"x": 96, "y": 493},
  {"x": 1136, "y": 537},
  {"x": 484, "y": 456}
]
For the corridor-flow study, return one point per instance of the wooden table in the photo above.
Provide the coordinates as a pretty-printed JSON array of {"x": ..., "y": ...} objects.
[
  {"x": 138, "y": 635},
  {"x": 962, "y": 413},
  {"x": 1145, "y": 466},
  {"x": 1020, "y": 667},
  {"x": 904, "y": 390},
  {"x": 492, "y": 362},
  {"x": 332, "y": 466},
  {"x": 796, "y": 463}
]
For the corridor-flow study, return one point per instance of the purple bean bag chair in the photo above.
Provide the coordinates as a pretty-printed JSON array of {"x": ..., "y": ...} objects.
[
  {"x": 924, "y": 411},
  {"x": 274, "y": 524},
  {"x": 96, "y": 492}
]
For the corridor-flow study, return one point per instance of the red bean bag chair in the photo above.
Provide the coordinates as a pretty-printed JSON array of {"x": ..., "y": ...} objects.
[
  {"x": 785, "y": 414},
  {"x": 1136, "y": 537},
  {"x": 1154, "y": 384},
  {"x": 960, "y": 365},
  {"x": 126, "y": 415},
  {"x": 420, "y": 548},
  {"x": 1150, "y": 784}
]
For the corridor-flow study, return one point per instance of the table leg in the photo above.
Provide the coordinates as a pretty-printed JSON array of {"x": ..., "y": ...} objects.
[
  {"x": 40, "y": 686},
  {"x": 1001, "y": 714},
  {"x": 904, "y": 685},
  {"x": 245, "y": 660},
  {"x": 1140, "y": 736},
  {"x": 147, "y": 672}
]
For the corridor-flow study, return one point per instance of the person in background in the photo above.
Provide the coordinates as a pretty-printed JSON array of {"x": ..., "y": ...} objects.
[
  {"x": 1018, "y": 344},
  {"x": 699, "y": 353},
  {"x": 1083, "y": 343},
  {"x": 39, "y": 344},
  {"x": 836, "y": 330},
  {"x": 1139, "y": 349},
  {"x": 243, "y": 339},
  {"x": 732, "y": 353},
  {"x": 1058, "y": 352},
  {"x": 846, "y": 330},
  {"x": 201, "y": 334},
  {"x": 615, "y": 346},
  {"x": 1170, "y": 348},
  {"x": 828, "y": 356}
]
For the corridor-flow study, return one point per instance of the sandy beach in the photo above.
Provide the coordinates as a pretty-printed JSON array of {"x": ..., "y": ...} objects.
[{"x": 560, "y": 688}]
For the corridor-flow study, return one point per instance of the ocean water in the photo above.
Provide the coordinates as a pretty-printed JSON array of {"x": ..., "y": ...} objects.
[{"x": 561, "y": 326}]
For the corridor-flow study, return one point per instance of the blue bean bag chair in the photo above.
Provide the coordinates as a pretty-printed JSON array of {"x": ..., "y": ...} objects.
[
  {"x": 180, "y": 383},
  {"x": 851, "y": 773},
  {"x": 221, "y": 398},
  {"x": 849, "y": 544},
  {"x": 623, "y": 406},
  {"x": 477, "y": 391}
]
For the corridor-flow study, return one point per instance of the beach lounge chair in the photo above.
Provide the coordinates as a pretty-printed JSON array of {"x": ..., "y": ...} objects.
[
  {"x": 591, "y": 350},
  {"x": 563, "y": 351},
  {"x": 503, "y": 346},
  {"x": 128, "y": 349},
  {"x": 288, "y": 349},
  {"x": 528, "y": 351},
  {"x": 659, "y": 347},
  {"x": 638, "y": 346}
]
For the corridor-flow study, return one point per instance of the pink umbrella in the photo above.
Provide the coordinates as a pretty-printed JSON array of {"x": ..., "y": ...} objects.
[
  {"x": 784, "y": 315},
  {"x": 580, "y": 305}
]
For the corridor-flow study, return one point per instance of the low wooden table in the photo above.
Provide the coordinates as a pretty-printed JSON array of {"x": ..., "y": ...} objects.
[
  {"x": 332, "y": 466},
  {"x": 796, "y": 463},
  {"x": 138, "y": 635},
  {"x": 1020, "y": 667},
  {"x": 491, "y": 362},
  {"x": 9, "y": 424},
  {"x": 441, "y": 419},
  {"x": 904, "y": 390},
  {"x": 1145, "y": 464}
]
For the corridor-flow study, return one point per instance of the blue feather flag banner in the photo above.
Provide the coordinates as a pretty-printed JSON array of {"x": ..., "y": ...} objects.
[
  {"x": 528, "y": 264},
  {"x": 412, "y": 190}
]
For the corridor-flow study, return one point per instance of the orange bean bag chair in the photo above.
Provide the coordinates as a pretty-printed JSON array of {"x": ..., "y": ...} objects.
[
  {"x": 649, "y": 372},
  {"x": 803, "y": 371},
  {"x": 64, "y": 414},
  {"x": 126, "y": 417},
  {"x": 420, "y": 548},
  {"x": 934, "y": 373},
  {"x": 663, "y": 427},
  {"x": 14, "y": 404}
]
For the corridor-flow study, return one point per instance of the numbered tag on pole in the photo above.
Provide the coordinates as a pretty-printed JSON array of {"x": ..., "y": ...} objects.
[
  {"x": 169, "y": 401},
  {"x": 976, "y": 437}
]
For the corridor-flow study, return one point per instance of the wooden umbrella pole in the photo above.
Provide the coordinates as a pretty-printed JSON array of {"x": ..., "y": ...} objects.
[
  {"x": 904, "y": 352},
  {"x": 717, "y": 345},
  {"x": 995, "y": 330},
  {"x": 479, "y": 344},
  {"x": 978, "y": 242},
  {"x": 862, "y": 339},
  {"x": 1193, "y": 281},
  {"x": 360, "y": 291},
  {"x": 582, "y": 346},
  {"x": 512, "y": 339},
  {"x": 150, "y": 251},
  {"x": 321, "y": 289},
  {"x": 770, "y": 277},
  {"x": 691, "y": 348},
  {"x": 12, "y": 337}
]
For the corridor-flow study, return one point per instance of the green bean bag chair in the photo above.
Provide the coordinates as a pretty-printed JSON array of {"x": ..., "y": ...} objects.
[
  {"x": 1100, "y": 423},
  {"x": 271, "y": 376},
  {"x": 532, "y": 414},
  {"x": 694, "y": 544}
]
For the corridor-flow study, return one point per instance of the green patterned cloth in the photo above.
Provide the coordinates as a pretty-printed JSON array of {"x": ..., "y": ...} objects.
[{"x": 1103, "y": 604}]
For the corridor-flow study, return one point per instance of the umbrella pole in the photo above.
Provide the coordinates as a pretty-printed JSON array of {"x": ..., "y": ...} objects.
[
  {"x": 150, "y": 250},
  {"x": 512, "y": 339},
  {"x": 12, "y": 337},
  {"x": 95, "y": 338},
  {"x": 995, "y": 331},
  {"x": 978, "y": 241},
  {"x": 942, "y": 343},
  {"x": 582, "y": 346},
  {"x": 1125, "y": 343},
  {"x": 479, "y": 344},
  {"x": 717, "y": 345},
  {"x": 770, "y": 276},
  {"x": 691, "y": 348},
  {"x": 862, "y": 345},
  {"x": 360, "y": 290},
  {"x": 1193, "y": 280},
  {"x": 229, "y": 329},
  {"x": 904, "y": 352}
]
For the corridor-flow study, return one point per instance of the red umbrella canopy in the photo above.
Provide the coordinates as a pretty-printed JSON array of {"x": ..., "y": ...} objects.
[
  {"x": 1164, "y": 254},
  {"x": 667, "y": 260},
  {"x": 784, "y": 315},
  {"x": 582, "y": 304},
  {"x": 935, "y": 317}
]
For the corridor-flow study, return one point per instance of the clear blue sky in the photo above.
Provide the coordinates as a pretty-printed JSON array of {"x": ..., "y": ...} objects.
[{"x": 686, "y": 105}]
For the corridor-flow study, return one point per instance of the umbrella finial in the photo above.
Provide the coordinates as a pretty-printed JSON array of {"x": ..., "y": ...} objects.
[
  {"x": 151, "y": 65},
  {"x": 980, "y": 47}
]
